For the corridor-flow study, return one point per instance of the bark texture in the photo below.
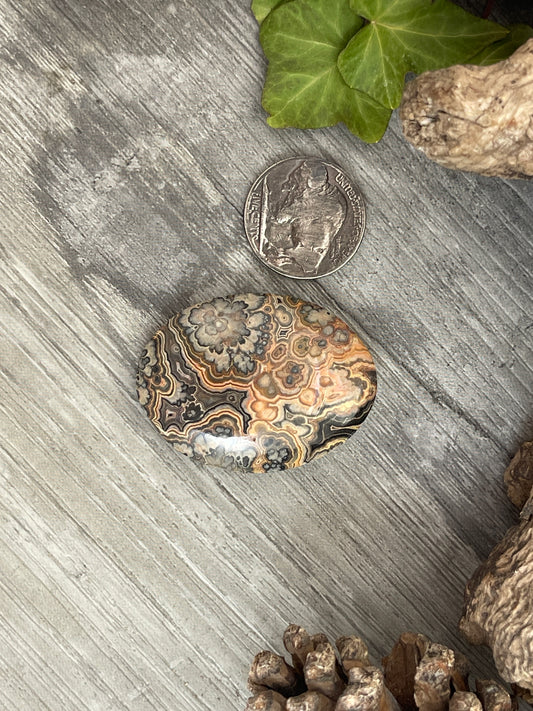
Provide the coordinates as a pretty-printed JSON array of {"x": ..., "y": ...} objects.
[
  {"x": 498, "y": 609},
  {"x": 518, "y": 476},
  {"x": 473, "y": 118}
]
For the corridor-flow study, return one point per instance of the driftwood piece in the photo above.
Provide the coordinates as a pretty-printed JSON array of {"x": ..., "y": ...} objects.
[
  {"x": 474, "y": 118},
  {"x": 433, "y": 679},
  {"x": 400, "y": 667},
  {"x": 321, "y": 673},
  {"x": 465, "y": 701},
  {"x": 266, "y": 701},
  {"x": 310, "y": 701},
  {"x": 518, "y": 476},
  {"x": 353, "y": 652},
  {"x": 498, "y": 607}
]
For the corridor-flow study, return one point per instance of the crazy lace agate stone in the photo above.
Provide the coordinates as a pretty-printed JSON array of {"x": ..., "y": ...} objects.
[{"x": 257, "y": 382}]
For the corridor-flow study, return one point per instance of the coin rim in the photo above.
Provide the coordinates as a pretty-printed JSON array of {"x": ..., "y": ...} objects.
[{"x": 254, "y": 248}]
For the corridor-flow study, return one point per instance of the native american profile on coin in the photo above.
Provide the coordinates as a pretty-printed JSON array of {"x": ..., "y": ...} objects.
[{"x": 301, "y": 219}]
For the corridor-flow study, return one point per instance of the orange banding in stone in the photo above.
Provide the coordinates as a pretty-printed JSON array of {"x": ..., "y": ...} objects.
[{"x": 258, "y": 382}]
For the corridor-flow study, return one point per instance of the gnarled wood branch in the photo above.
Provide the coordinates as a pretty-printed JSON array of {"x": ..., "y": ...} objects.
[
  {"x": 498, "y": 609},
  {"x": 475, "y": 118}
]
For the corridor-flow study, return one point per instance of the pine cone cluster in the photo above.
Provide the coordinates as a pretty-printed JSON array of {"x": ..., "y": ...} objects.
[{"x": 417, "y": 674}]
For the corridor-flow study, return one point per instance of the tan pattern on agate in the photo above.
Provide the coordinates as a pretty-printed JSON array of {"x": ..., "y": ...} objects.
[{"x": 259, "y": 382}]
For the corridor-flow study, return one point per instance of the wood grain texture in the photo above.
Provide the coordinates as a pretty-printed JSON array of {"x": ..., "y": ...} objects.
[{"x": 130, "y": 578}]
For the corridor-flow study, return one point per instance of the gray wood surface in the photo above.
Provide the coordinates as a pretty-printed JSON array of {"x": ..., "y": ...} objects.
[{"x": 130, "y": 578}]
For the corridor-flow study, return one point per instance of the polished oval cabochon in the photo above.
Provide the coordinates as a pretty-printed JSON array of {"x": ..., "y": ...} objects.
[{"x": 256, "y": 381}]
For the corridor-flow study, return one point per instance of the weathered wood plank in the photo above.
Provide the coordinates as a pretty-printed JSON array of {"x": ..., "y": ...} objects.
[{"x": 131, "y": 578}]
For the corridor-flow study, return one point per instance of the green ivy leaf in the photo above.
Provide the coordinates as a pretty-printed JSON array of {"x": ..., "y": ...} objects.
[
  {"x": 410, "y": 35},
  {"x": 304, "y": 88},
  {"x": 518, "y": 35},
  {"x": 261, "y": 8}
]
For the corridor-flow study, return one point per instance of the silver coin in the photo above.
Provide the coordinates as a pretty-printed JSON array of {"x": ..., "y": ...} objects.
[{"x": 304, "y": 217}]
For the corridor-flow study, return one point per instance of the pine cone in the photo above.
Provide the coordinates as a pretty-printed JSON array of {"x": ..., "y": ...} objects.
[{"x": 417, "y": 674}]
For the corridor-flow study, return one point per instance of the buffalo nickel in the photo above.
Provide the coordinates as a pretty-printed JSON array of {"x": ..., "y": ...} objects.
[{"x": 304, "y": 217}]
